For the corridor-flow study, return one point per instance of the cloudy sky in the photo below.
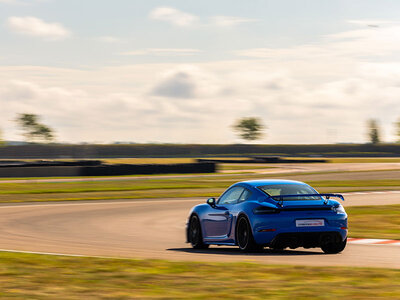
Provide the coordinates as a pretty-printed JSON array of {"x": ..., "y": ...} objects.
[{"x": 183, "y": 71}]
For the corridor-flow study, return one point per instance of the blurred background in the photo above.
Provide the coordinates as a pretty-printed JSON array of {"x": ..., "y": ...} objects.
[{"x": 186, "y": 71}]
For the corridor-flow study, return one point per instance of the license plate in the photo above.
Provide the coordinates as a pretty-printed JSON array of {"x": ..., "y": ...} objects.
[{"x": 310, "y": 223}]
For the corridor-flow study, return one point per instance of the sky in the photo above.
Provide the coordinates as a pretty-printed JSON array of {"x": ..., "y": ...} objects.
[{"x": 314, "y": 71}]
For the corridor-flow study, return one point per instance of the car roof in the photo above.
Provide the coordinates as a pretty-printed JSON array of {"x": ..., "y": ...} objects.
[{"x": 261, "y": 182}]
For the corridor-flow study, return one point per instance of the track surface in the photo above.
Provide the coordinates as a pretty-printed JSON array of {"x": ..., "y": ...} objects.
[{"x": 155, "y": 229}]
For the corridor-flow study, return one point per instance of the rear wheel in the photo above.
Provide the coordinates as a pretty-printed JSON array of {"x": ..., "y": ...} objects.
[
  {"x": 334, "y": 247},
  {"x": 195, "y": 235},
  {"x": 244, "y": 236}
]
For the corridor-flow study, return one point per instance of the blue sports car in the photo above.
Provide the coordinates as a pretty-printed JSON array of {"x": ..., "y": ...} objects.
[{"x": 269, "y": 213}]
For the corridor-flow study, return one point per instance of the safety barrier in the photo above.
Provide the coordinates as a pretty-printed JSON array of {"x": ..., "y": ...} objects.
[{"x": 105, "y": 170}]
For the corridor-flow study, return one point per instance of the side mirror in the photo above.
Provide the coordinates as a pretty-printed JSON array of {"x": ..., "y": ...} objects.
[{"x": 211, "y": 202}]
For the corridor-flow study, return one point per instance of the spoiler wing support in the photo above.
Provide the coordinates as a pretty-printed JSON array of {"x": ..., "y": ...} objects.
[{"x": 280, "y": 198}]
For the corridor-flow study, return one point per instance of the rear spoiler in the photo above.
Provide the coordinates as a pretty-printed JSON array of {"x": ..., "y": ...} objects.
[{"x": 280, "y": 198}]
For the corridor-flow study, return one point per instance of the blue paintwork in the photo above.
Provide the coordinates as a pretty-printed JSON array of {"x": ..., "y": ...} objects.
[{"x": 218, "y": 224}]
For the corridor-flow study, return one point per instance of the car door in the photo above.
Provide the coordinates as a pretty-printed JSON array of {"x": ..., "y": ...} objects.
[{"x": 218, "y": 220}]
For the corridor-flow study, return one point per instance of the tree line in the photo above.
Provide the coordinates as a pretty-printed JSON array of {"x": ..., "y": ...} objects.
[
  {"x": 247, "y": 129},
  {"x": 32, "y": 129},
  {"x": 251, "y": 129}
]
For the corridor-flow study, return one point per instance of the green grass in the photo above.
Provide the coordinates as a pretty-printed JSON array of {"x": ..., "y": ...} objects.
[
  {"x": 92, "y": 190},
  {"x": 364, "y": 160},
  {"x": 239, "y": 167},
  {"x": 356, "y": 183},
  {"x": 374, "y": 221},
  {"x": 96, "y": 186},
  {"x": 88, "y": 178},
  {"x": 138, "y": 187},
  {"x": 29, "y": 276}
]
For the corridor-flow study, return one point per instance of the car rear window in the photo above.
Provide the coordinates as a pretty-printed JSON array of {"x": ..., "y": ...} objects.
[{"x": 290, "y": 189}]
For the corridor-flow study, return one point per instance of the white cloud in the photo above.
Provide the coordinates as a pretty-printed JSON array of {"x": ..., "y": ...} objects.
[
  {"x": 184, "y": 19},
  {"x": 303, "y": 94},
  {"x": 163, "y": 52},
  {"x": 173, "y": 16},
  {"x": 75, "y": 114},
  {"x": 273, "y": 53},
  {"x": 372, "y": 22},
  {"x": 228, "y": 21},
  {"x": 178, "y": 85},
  {"x": 38, "y": 28},
  {"x": 186, "y": 82},
  {"x": 369, "y": 41}
]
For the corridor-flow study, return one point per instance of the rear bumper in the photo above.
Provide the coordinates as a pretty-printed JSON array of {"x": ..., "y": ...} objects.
[
  {"x": 281, "y": 228},
  {"x": 268, "y": 238},
  {"x": 305, "y": 239}
]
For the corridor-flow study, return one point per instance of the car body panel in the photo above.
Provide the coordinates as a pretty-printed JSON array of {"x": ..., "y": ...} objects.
[{"x": 218, "y": 224}]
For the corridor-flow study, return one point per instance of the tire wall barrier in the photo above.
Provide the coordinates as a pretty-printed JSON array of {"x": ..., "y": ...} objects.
[
  {"x": 39, "y": 171},
  {"x": 106, "y": 170},
  {"x": 125, "y": 169}
]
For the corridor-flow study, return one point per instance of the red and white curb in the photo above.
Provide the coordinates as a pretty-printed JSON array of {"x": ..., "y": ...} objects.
[{"x": 373, "y": 242}]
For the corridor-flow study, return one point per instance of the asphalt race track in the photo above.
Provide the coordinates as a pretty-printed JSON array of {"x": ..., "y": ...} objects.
[{"x": 155, "y": 229}]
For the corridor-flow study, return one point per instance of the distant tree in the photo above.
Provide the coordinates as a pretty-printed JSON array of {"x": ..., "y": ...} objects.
[
  {"x": 373, "y": 131},
  {"x": 249, "y": 129},
  {"x": 397, "y": 124},
  {"x": 1, "y": 138},
  {"x": 33, "y": 130}
]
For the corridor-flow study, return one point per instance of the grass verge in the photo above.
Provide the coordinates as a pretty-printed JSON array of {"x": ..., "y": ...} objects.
[
  {"x": 30, "y": 276},
  {"x": 364, "y": 160},
  {"x": 382, "y": 222},
  {"x": 124, "y": 188}
]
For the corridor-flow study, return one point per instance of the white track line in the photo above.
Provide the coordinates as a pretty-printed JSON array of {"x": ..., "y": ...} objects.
[
  {"x": 95, "y": 202},
  {"x": 356, "y": 241},
  {"x": 62, "y": 254}
]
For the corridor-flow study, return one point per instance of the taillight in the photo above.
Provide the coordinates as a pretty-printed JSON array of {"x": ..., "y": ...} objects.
[
  {"x": 267, "y": 230},
  {"x": 261, "y": 210}
]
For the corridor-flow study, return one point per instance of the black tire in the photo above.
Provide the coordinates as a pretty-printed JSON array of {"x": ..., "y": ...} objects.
[
  {"x": 195, "y": 235},
  {"x": 244, "y": 236},
  {"x": 333, "y": 248}
]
